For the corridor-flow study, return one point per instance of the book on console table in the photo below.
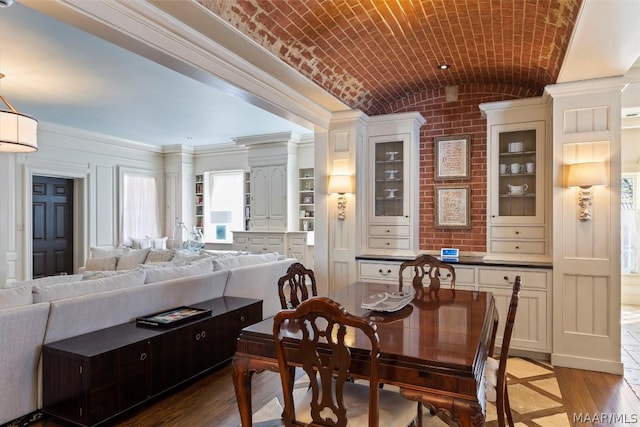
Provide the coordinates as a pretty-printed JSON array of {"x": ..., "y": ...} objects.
[{"x": 173, "y": 317}]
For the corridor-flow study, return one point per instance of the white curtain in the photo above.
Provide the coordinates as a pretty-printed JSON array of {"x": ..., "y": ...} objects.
[
  {"x": 140, "y": 207},
  {"x": 226, "y": 194}
]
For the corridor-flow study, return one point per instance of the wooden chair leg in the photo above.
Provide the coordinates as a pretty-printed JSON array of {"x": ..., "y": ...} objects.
[
  {"x": 418, "y": 422},
  {"x": 500, "y": 407},
  {"x": 507, "y": 409}
]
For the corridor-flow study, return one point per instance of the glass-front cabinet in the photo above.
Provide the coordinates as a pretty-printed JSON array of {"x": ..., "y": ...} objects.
[
  {"x": 389, "y": 179},
  {"x": 518, "y": 189},
  {"x": 518, "y": 171}
]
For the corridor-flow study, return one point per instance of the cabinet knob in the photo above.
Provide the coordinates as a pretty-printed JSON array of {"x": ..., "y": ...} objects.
[
  {"x": 517, "y": 247},
  {"x": 517, "y": 232},
  {"x": 506, "y": 278},
  {"x": 143, "y": 356},
  {"x": 387, "y": 243},
  {"x": 388, "y": 231},
  {"x": 493, "y": 216},
  {"x": 384, "y": 273}
]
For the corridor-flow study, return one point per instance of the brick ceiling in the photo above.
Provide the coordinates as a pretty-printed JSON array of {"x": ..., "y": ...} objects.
[{"x": 369, "y": 53}]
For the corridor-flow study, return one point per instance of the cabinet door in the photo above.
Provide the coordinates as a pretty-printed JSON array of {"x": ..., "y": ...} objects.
[
  {"x": 260, "y": 189},
  {"x": 134, "y": 373},
  {"x": 389, "y": 175},
  {"x": 277, "y": 214},
  {"x": 517, "y": 173}
]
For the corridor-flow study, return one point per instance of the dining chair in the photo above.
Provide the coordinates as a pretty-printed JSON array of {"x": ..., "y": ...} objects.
[
  {"x": 324, "y": 355},
  {"x": 430, "y": 266},
  {"x": 502, "y": 396},
  {"x": 295, "y": 282},
  {"x": 495, "y": 372}
]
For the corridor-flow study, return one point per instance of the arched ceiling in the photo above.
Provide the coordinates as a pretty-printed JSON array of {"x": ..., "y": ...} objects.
[{"x": 369, "y": 53}]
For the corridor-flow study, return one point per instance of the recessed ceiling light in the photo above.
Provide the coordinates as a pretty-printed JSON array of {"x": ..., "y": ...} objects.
[{"x": 443, "y": 66}]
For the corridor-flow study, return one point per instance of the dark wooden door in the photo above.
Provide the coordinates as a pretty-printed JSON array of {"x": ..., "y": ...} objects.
[{"x": 52, "y": 226}]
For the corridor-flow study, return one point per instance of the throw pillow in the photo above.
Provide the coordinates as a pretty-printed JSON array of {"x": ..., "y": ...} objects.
[
  {"x": 140, "y": 243},
  {"x": 132, "y": 258},
  {"x": 15, "y": 297},
  {"x": 159, "y": 244},
  {"x": 101, "y": 264},
  {"x": 159, "y": 256},
  {"x": 105, "y": 252}
]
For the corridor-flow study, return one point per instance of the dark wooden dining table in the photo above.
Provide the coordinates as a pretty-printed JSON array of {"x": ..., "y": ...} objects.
[{"x": 434, "y": 349}]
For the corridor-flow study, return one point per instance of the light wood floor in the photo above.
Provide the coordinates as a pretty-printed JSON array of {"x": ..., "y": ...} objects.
[{"x": 210, "y": 401}]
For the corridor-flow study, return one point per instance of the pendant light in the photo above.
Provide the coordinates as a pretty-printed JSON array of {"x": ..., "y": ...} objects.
[{"x": 18, "y": 132}]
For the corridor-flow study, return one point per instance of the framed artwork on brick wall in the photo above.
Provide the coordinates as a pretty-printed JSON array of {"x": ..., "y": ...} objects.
[
  {"x": 453, "y": 157},
  {"x": 452, "y": 206}
]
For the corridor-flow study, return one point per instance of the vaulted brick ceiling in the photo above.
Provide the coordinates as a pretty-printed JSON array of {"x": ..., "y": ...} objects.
[{"x": 369, "y": 53}]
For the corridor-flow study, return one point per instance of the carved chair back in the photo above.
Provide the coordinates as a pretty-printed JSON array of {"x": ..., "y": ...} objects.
[
  {"x": 293, "y": 286},
  {"x": 429, "y": 266},
  {"x": 325, "y": 357}
]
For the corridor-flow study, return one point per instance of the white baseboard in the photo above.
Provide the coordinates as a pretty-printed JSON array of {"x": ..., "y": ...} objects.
[{"x": 598, "y": 365}]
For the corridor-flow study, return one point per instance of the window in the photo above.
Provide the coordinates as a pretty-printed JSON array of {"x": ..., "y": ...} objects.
[
  {"x": 223, "y": 205},
  {"x": 139, "y": 207},
  {"x": 630, "y": 230}
]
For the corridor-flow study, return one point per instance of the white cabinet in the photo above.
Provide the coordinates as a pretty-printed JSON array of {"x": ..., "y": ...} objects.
[
  {"x": 269, "y": 198},
  {"x": 293, "y": 244},
  {"x": 391, "y": 184},
  {"x": 532, "y": 329},
  {"x": 518, "y": 188}
]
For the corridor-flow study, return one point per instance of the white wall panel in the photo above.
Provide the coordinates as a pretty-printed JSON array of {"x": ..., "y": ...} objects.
[
  {"x": 105, "y": 217},
  {"x": 586, "y": 254}
]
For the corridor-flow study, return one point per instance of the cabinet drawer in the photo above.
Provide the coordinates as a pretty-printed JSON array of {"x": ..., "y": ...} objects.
[
  {"x": 380, "y": 271},
  {"x": 530, "y": 278},
  {"x": 298, "y": 240},
  {"x": 389, "y": 230},
  {"x": 463, "y": 275},
  {"x": 517, "y": 233},
  {"x": 388, "y": 243},
  {"x": 511, "y": 247}
]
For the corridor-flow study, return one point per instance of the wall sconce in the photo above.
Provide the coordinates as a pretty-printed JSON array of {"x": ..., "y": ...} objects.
[
  {"x": 341, "y": 185},
  {"x": 584, "y": 175}
]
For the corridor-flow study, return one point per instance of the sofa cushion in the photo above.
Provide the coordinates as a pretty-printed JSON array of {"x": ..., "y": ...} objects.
[
  {"x": 49, "y": 280},
  {"x": 99, "y": 274},
  {"x": 163, "y": 264},
  {"x": 69, "y": 290},
  {"x": 106, "y": 252},
  {"x": 187, "y": 256},
  {"x": 101, "y": 264},
  {"x": 159, "y": 256},
  {"x": 16, "y": 296},
  {"x": 161, "y": 274},
  {"x": 227, "y": 263},
  {"x": 132, "y": 258}
]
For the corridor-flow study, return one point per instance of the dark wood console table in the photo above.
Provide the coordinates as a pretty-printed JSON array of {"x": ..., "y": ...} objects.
[{"x": 93, "y": 377}]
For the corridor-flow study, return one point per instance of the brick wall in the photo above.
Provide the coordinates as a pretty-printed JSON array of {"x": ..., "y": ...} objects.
[{"x": 455, "y": 118}]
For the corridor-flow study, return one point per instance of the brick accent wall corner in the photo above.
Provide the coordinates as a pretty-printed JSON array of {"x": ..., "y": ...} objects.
[{"x": 461, "y": 117}]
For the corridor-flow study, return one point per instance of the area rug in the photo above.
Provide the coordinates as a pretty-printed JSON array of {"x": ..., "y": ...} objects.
[{"x": 534, "y": 394}]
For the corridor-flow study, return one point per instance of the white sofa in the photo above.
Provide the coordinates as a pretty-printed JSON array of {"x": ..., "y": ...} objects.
[{"x": 40, "y": 312}]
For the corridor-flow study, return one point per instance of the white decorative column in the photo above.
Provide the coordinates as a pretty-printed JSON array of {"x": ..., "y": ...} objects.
[
  {"x": 347, "y": 132},
  {"x": 179, "y": 187},
  {"x": 586, "y": 254}
]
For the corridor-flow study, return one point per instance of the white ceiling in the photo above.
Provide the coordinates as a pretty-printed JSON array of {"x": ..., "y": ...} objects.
[{"x": 60, "y": 74}]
